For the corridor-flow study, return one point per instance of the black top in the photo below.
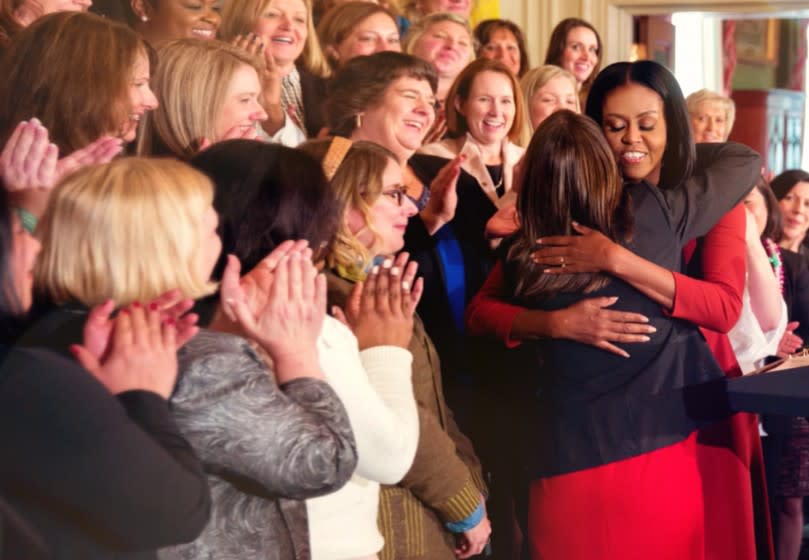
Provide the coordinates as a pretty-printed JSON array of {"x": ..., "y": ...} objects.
[
  {"x": 97, "y": 476},
  {"x": 796, "y": 290},
  {"x": 313, "y": 97},
  {"x": 459, "y": 355},
  {"x": 596, "y": 407},
  {"x": 18, "y": 540}
]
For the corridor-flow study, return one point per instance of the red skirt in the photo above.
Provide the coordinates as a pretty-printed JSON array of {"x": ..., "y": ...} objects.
[{"x": 649, "y": 506}]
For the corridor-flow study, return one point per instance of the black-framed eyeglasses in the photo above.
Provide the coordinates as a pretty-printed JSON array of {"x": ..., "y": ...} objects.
[{"x": 397, "y": 193}]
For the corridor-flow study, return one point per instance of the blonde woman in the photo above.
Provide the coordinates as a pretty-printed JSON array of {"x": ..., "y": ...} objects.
[
  {"x": 712, "y": 115},
  {"x": 439, "y": 501},
  {"x": 268, "y": 436},
  {"x": 293, "y": 55},
  {"x": 201, "y": 108},
  {"x": 548, "y": 89},
  {"x": 445, "y": 41}
]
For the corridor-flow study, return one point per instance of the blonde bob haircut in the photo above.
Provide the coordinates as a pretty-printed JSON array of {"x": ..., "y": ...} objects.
[
  {"x": 357, "y": 183},
  {"x": 128, "y": 230},
  {"x": 423, "y": 25},
  {"x": 239, "y": 17},
  {"x": 693, "y": 102},
  {"x": 536, "y": 78},
  {"x": 191, "y": 84},
  {"x": 459, "y": 94}
]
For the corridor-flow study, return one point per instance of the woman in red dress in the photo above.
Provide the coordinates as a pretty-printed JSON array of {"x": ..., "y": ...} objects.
[{"x": 643, "y": 138}]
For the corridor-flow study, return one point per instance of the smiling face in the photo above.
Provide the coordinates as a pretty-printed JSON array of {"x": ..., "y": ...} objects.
[
  {"x": 282, "y": 26},
  {"x": 489, "y": 109},
  {"x": 179, "y": 19},
  {"x": 141, "y": 97},
  {"x": 709, "y": 122},
  {"x": 558, "y": 93},
  {"x": 635, "y": 127},
  {"x": 402, "y": 119},
  {"x": 241, "y": 107},
  {"x": 447, "y": 46},
  {"x": 795, "y": 207},
  {"x": 503, "y": 46},
  {"x": 376, "y": 33},
  {"x": 581, "y": 53},
  {"x": 389, "y": 215}
]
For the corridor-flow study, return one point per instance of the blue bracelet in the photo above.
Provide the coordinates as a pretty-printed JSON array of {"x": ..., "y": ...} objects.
[{"x": 465, "y": 524}]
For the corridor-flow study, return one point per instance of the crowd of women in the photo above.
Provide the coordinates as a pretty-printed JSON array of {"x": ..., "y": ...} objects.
[{"x": 292, "y": 279}]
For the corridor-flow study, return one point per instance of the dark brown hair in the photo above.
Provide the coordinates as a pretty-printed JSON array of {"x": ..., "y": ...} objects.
[
  {"x": 266, "y": 194},
  {"x": 569, "y": 174},
  {"x": 483, "y": 34},
  {"x": 783, "y": 183},
  {"x": 361, "y": 83},
  {"x": 558, "y": 42},
  {"x": 71, "y": 70},
  {"x": 775, "y": 220}
]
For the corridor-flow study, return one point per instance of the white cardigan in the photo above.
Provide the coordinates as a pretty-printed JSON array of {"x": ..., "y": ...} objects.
[{"x": 376, "y": 389}]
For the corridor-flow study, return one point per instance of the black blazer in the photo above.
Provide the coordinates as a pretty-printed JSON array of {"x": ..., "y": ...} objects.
[
  {"x": 796, "y": 291},
  {"x": 97, "y": 476},
  {"x": 313, "y": 95}
]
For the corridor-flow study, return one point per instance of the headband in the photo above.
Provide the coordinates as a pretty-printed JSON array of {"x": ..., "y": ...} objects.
[{"x": 335, "y": 155}]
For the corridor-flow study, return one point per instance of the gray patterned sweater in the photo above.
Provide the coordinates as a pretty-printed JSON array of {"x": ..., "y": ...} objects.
[{"x": 265, "y": 448}]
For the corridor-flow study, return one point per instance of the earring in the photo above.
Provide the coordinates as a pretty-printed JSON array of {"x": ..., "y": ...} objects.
[
  {"x": 358, "y": 120},
  {"x": 144, "y": 18}
]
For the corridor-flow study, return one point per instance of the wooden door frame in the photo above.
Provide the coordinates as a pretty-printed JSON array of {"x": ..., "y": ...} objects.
[{"x": 613, "y": 18}]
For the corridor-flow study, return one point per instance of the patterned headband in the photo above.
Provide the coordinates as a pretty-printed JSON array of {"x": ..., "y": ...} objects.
[{"x": 335, "y": 155}]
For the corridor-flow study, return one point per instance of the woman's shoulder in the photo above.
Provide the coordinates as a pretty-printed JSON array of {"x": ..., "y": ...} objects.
[
  {"x": 212, "y": 361},
  {"x": 447, "y": 148}
]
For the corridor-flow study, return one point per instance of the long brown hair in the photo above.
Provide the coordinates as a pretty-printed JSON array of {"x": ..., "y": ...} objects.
[
  {"x": 558, "y": 42},
  {"x": 569, "y": 174},
  {"x": 71, "y": 70}
]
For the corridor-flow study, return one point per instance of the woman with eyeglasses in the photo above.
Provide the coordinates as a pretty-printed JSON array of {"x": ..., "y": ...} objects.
[{"x": 443, "y": 488}]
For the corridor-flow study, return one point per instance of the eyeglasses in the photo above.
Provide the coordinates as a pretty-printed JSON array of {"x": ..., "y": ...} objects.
[{"x": 398, "y": 193}]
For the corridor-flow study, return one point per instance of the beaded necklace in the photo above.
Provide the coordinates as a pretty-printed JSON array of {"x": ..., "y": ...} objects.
[{"x": 776, "y": 261}]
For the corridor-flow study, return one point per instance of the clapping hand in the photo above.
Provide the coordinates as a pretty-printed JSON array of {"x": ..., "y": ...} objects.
[
  {"x": 29, "y": 161},
  {"x": 140, "y": 352},
  {"x": 280, "y": 304},
  {"x": 380, "y": 310}
]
